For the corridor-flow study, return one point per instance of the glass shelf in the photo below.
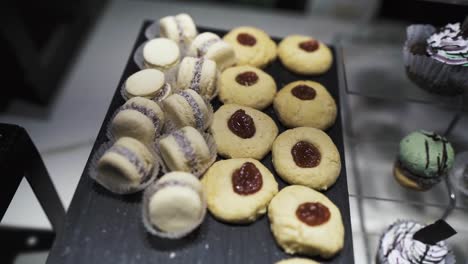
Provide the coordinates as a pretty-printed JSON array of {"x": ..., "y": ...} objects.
[
  {"x": 375, "y": 69},
  {"x": 375, "y": 119},
  {"x": 378, "y": 215}
]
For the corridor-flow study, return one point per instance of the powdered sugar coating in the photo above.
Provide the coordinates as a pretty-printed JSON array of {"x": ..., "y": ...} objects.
[
  {"x": 197, "y": 73},
  {"x": 203, "y": 49},
  {"x": 147, "y": 112},
  {"x": 133, "y": 159},
  {"x": 198, "y": 114},
  {"x": 186, "y": 148}
]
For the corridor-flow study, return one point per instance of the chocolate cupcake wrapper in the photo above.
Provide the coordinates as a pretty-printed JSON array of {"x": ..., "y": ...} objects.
[
  {"x": 116, "y": 187},
  {"x": 111, "y": 136},
  {"x": 428, "y": 73},
  {"x": 167, "y": 91},
  {"x": 153, "y": 229},
  {"x": 170, "y": 125},
  {"x": 152, "y": 31},
  {"x": 201, "y": 165}
]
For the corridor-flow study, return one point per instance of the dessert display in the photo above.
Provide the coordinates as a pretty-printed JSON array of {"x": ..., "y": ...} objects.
[
  {"x": 188, "y": 108},
  {"x": 210, "y": 46},
  {"x": 437, "y": 59},
  {"x": 398, "y": 244},
  {"x": 242, "y": 132},
  {"x": 305, "y": 55},
  {"x": 167, "y": 122},
  {"x": 239, "y": 190},
  {"x": 252, "y": 46},
  {"x": 424, "y": 158},
  {"x": 305, "y": 103},
  {"x": 174, "y": 205},
  {"x": 305, "y": 221},
  {"x": 126, "y": 166},
  {"x": 161, "y": 53},
  {"x": 198, "y": 74},
  {"x": 139, "y": 118},
  {"x": 248, "y": 86},
  {"x": 297, "y": 261},
  {"x": 147, "y": 83},
  {"x": 186, "y": 149},
  {"x": 306, "y": 156},
  {"x": 180, "y": 28}
]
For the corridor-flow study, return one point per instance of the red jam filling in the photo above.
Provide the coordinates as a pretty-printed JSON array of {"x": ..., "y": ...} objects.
[
  {"x": 313, "y": 214},
  {"x": 247, "y": 179}
]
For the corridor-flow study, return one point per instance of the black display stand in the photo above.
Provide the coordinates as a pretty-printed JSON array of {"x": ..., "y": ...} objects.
[
  {"x": 101, "y": 227},
  {"x": 19, "y": 158}
]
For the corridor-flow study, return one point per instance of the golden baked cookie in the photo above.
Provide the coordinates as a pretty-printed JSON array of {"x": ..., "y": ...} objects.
[
  {"x": 305, "y": 103},
  {"x": 305, "y": 221},
  {"x": 252, "y": 46},
  {"x": 306, "y": 156},
  {"x": 405, "y": 181},
  {"x": 242, "y": 132},
  {"x": 247, "y": 85},
  {"x": 239, "y": 190},
  {"x": 297, "y": 261},
  {"x": 305, "y": 55}
]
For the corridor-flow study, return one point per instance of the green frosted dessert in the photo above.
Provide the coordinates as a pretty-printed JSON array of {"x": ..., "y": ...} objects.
[
  {"x": 426, "y": 154},
  {"x": 424, "y": 158}
]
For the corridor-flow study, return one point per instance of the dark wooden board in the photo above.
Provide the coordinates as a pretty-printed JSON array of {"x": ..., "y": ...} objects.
[{"x": 102, "y": 228}]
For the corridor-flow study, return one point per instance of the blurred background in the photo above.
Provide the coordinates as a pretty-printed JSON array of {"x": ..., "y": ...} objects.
[{"x": 63, "y": 61}]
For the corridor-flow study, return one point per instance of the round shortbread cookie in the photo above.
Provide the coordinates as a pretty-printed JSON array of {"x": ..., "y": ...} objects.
[
  {"x": 252, "y": 46},
  {"x": 305, "y": 221},
  {"x": 247, "y": 85},
  {"x": 305, "y": 55},
  {"x": 239, "y": 190},
  {"x": 161, "y": 54},
  {"x": 305, "y": 103},
  {"x": 147, "y": 83},
  {"x": 139, "y": 118},
  {"x": 243, "y": 132},
  {"x": 404, "y": 180},
  {"x": 306, "y": 156}
]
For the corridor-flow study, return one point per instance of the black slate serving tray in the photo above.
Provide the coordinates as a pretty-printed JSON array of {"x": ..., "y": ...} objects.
[{"x": 101, "y": 227}]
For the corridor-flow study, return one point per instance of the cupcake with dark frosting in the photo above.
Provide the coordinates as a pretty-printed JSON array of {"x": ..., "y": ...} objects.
[
  {"x": 437, "y": 59},
  {"x": 398, "y": 246}
]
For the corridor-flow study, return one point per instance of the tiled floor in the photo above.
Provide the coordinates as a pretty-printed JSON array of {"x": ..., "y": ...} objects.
[{"x": 64, "y": 132}]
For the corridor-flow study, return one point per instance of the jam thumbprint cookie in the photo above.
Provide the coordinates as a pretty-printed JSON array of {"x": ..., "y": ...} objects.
[
  {"x": 239, "y": 190},
  {"x": 305, "y": 103},
  {"x": 252, "y": 46},
  {"x": 306, "y": 222},
  {"x": 306, "y": 156},
  {"x": 243, "y": 132},
  {"x": 248, "y": 86},
  {"x": 305, "y": 55}
]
